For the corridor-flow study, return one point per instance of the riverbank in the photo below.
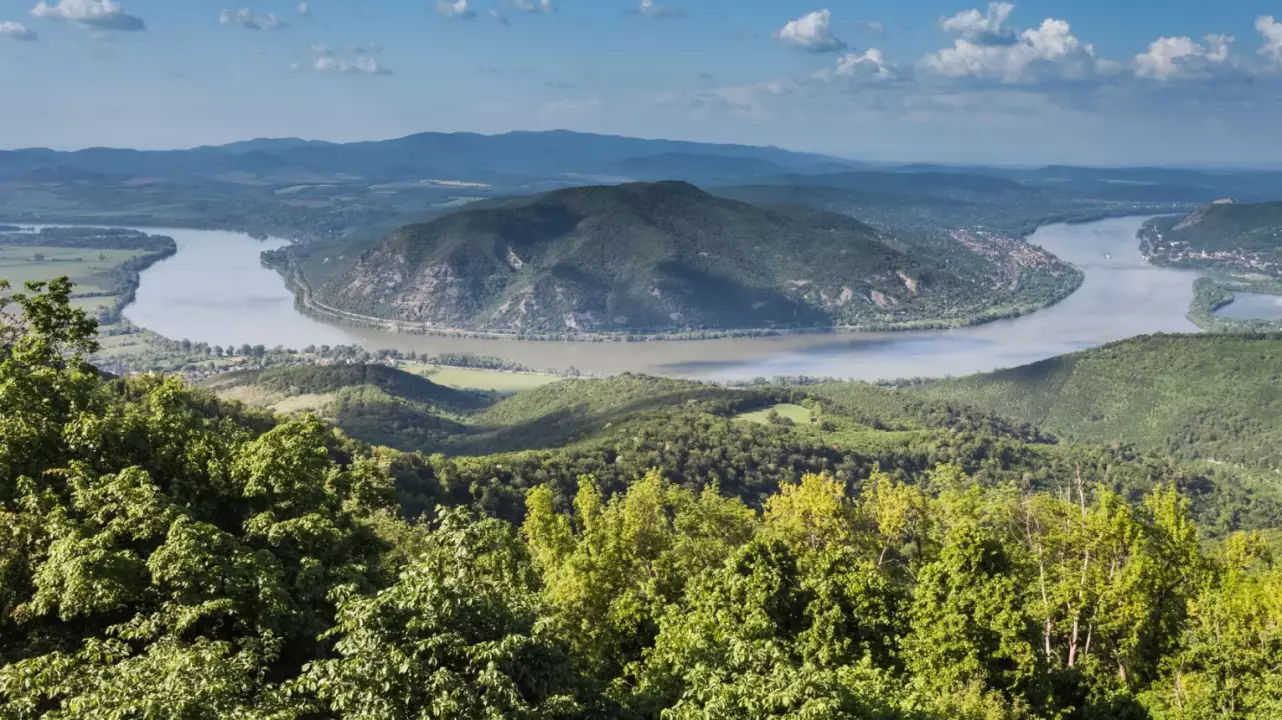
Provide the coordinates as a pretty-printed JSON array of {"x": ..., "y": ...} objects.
[
  {"x": 1212, "y": 294},
  {"x": 217, "y": 291},
  {"x": 105, "y": 263}
]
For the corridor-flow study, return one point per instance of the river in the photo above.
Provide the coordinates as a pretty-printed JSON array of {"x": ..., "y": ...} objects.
[
  {"x": 1253, "y": 306},
  {"x": 215, "y": 290}
]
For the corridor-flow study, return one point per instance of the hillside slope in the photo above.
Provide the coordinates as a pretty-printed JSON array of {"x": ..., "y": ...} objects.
[
  {"x": 661, "y": 257},
  {"x": 1193, "y": 396},
  {"x": 1230, "y": 236},
  {"x": 374, "y": 403}
]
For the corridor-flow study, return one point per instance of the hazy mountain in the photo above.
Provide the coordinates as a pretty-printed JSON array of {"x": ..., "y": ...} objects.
[
  {"x": 463, "y": 156},
  {"x": 312, "y": 190}
]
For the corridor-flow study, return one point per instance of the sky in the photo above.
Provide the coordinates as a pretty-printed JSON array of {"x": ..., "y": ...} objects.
[{"x": 1101, "y": 82}]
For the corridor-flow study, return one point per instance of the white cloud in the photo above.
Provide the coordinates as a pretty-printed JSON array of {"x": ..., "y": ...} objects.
[
  {"x": 1180, "y": 58},
  {"x": 1105, "y": 67},
  {"x": 247, "y": 19},
  {"x": 304, "y": 9},
  {"x": 351, "y": 60},
  {"x": 988, "y": 49},
  {"x": 983, "y": 28},
  {"x": 457, "y": 9},
  {"x": 101, "y": 14},
  {"x": 1272, "y": 31},
  {"x": 17, "y": 31},
  {"x": 874, "y": 28},
  {"x": 364, "y": 64},
  {"x": 654, "y": 11},
  {"x": 870, "y": 64},
  {"x": 811, "y": 32},
  {"x": 533, "y": 6}
]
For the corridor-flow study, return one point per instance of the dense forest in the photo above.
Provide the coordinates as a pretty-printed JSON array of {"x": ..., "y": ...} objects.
[
  {"x": 165, "y": 554},
  {"x": 1211, "y": 396}
]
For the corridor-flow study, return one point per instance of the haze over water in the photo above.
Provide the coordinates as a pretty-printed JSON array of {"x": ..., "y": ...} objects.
[{"x": 215, "y": 290}]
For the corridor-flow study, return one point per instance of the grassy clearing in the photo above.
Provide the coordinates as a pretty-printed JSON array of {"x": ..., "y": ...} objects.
[
  {"x": 477, "y": 379},
  {"x": 88, "y": 268},
  {"x": 85, "y": 266},
  {"x": 795, "y": 413}
]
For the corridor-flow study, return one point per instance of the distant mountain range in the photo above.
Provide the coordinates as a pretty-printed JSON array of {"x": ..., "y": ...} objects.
[
  {"x": 313, "y": 190},
  {"x": 665, "y": 257},
  {"x": 502, "y": 159}
]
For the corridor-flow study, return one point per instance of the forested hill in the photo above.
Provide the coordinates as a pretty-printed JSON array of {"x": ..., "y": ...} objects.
[
  {"x": 665, "y": 257},
  {"x": 1246, "y": 237},
  {"x": 167, "y": 555},
  {"x": 1216, "y": 397}
]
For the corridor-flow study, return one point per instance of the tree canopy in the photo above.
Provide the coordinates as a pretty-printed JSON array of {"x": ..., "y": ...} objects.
[{"x": 167, "y": 555}]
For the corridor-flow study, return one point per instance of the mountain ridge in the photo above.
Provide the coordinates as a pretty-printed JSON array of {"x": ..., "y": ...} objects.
[{"x": 656, "y": 257}]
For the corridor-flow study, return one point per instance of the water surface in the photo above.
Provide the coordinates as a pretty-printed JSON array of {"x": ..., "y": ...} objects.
[
  {"x": 1253, "y": 306},
  {"x": 216, "y": 290}
]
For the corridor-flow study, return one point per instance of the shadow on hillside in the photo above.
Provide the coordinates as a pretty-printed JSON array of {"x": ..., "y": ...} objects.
[{"x": 567, "y": 425}]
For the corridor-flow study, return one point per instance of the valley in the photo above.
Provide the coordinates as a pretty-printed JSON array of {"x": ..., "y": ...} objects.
[
  {"x": 216, "y": 291},
  {"x": 613, "y": 484},
  {"x": 640, "y": 360}
]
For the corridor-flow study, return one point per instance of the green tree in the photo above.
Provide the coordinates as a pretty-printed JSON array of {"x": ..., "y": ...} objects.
[
  {"x": 161, "y": 554},
  {"x": 608, "y": 575},
  {"x": 758, "y": 639},
  {"x": 457, "y": 636},
  {"x": 968, "y": 628},
  {"x": 1231, "y": 654},
  {"x": 813, "y": 514}
]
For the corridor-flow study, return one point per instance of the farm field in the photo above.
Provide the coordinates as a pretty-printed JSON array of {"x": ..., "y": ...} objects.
[
  {"x": 795, "y": 413},
  {"x": 480, "y": 379},
  {"x": 85, "y": 267}
]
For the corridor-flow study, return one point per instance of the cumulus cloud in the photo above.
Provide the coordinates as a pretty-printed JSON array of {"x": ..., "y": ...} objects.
[
  {"x": 17, "y": 31},
  {"x": 1180, "y": 58},
  {"x": 246, "y": 18},
  {"x": 811, "y": 32},
  {"x": 351, "y": 60},
  {"x": 870, "y": 64},
  {"x": 1271, "y": 30},
  {"x": 983, "y": 28},
  {"x": 99, "y": 14},
  {"x": 457, "y": 10},
  {"x": 988, "y": 49},
  {"x": 875, "y": 28},
  {"x": 654, "y": 11},
  {"x": 532, "y": 6},
  {"x": 304, "y": 9}
]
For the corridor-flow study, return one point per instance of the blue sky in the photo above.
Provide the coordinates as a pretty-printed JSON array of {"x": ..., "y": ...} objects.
[{"x": 1091, "y": 81}]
